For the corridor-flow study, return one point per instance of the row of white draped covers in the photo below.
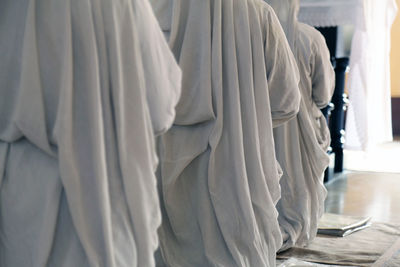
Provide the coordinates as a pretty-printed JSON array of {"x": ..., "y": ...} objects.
[{"x": 88, "y": 92}]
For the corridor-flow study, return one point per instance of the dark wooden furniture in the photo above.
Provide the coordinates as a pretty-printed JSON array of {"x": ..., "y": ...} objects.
[{"x": 335, "y": 113}]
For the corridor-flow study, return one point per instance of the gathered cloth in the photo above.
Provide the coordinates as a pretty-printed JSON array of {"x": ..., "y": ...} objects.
[
  {"x": 302, "y": 143},
  {"x": 377, "y": 246},
  {"x": 77, "y": 121},
  {"x": 219, "y": 179}
]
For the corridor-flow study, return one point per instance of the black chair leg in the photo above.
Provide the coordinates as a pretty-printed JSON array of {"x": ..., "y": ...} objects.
[
  {"x": 326, "y": 175},
  {"x": 337, "y": 118},
  {"x": 338, "y": 161}
]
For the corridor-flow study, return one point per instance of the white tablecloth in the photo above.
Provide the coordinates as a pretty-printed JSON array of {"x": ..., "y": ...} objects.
[{"x": 326, "y": 13}]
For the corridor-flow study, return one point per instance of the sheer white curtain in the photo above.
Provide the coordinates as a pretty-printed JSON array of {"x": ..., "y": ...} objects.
[
  {"x": 369, "y": 119},
  {"x": 369, "y": 115}
]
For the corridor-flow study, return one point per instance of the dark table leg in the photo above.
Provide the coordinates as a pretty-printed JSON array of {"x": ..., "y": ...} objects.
[{"x": 339, "y": 99}]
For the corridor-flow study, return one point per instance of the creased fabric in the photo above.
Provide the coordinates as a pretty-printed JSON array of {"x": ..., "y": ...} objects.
[
  {"x": 218, "y": 173},
  {"x": 377, "y": 245},
  {"x": 77, "y": 123},
  {"x": 301, "y": 144}
]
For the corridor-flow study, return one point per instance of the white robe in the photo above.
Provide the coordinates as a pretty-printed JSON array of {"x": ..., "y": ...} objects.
[
  {"x": 77, "y": 155},
  {"x": 301, "y": 144},
  {"x": 219, "y": 177}
]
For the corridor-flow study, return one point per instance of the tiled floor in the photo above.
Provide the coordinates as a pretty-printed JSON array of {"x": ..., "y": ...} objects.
[
  {"x": 372, "y": 187},
  {"x": 365, "y": 194}
]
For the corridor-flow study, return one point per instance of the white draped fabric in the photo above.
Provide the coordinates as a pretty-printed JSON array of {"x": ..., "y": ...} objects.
[
  {"x": 301, "y": 144},
  {"x": 77, "y": 155},
  {"x": 368, "y": 120},
  {"x": 219, "y": 176},
  {"x": 369, "y": 115}
]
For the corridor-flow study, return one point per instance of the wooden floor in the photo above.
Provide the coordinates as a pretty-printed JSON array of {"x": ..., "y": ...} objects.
[{"x": 365, "y": 194}]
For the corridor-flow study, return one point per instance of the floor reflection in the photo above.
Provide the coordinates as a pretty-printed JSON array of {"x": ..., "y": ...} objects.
[{"x": 365, "y": 194}]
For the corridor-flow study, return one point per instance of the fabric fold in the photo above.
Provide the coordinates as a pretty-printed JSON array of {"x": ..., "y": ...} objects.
[
  {"x": 302, "y": 143},
  {"x": 219, "y": 179},
  {"x": 91, "y": 84}
]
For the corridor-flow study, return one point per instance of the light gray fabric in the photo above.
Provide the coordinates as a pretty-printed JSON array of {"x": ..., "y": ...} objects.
[
  {"x": 286, "y": 12},
  {"x": 301, "y": 144},
  {"x": 219, "y": 177},
  {"x": 77, "y": 155},
  {"x": 293, "y": 262},
  {"x": 391, "y": 257},
  {"x": 377, "y": 245}
]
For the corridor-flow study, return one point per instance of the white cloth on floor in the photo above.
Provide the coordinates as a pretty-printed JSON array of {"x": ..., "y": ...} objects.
[
  {"x": 77, "y": 152},
  {"x": 369, "y": 116},
  {"x": 219, "y": 176},
  {"x": 301, "y": 144}
]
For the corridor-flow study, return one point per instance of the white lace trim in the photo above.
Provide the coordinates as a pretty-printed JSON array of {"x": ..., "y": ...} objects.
[{"x": 326, "y": 13}]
